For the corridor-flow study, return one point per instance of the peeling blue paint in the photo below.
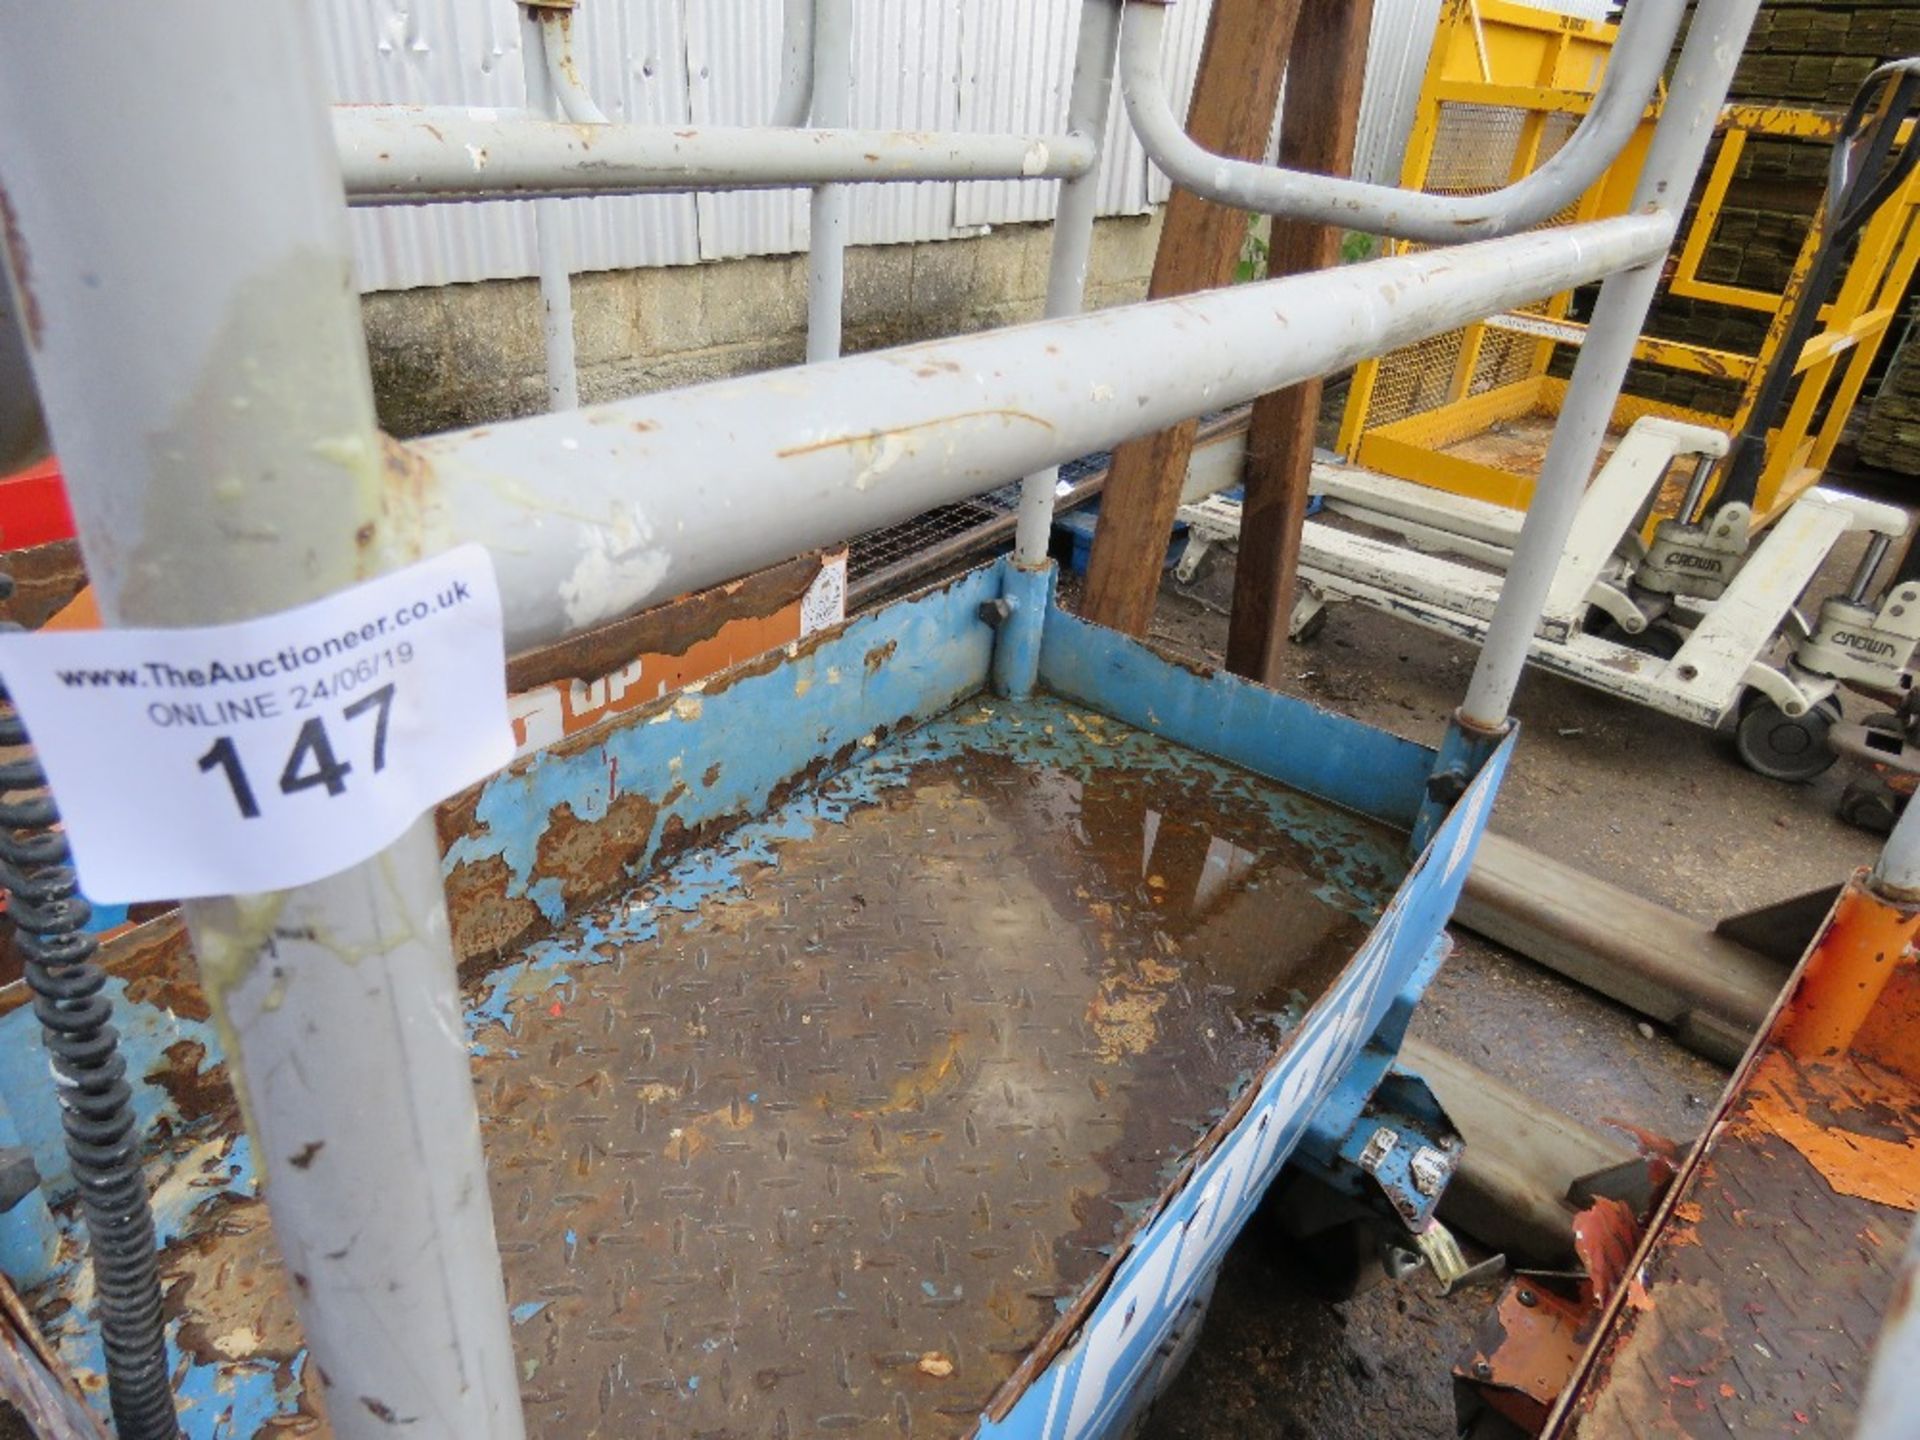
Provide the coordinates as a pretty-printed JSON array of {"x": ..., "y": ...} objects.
[
  {"x": 764, "y": 729},
  {"x": 233, "y": 1397},
  {"x": 933, "y": 650},
  {"x": 146, "y": 1032},
  {"x": 1042, "y": 731}
]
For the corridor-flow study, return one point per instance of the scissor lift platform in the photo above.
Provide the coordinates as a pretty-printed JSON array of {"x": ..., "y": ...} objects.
[{"x": 923, "y": 1054}]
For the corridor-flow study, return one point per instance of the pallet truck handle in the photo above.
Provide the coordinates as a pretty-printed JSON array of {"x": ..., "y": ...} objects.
[
  {"x": 1875, "y": 136},
  {"x": 1868, "y": 166}
]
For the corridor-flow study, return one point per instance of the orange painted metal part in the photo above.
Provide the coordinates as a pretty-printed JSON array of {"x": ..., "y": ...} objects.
[
  {"x": 1751, "y": 1305},
  {"x": 1849, "y": 967},
  {"x": 1529, "y": 1346},
  {"x": 1525, "y": 1351}
]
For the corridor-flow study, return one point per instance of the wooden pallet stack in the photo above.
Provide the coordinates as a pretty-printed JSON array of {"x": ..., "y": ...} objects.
[{"x": 1890, "y": 434}]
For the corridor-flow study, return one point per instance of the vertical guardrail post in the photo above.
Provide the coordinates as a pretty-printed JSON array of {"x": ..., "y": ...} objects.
[
  {"x": 828, "y": 207},
  {"x": 1897, "y": 873},
  {"x": 795, "y": 98},
  {"x": 552, "y": 226},
  {"x": 1707, "y": 60},
  {"x": 195, "y": 330},
  {"x": 1073, "y": 218}
]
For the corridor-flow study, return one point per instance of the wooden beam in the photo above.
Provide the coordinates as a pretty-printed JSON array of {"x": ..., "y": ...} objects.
[
  {"x": 1712, "y": 992},
  {"x": 1317, "y": 132},
  {"x": 1235, "y": 95}
]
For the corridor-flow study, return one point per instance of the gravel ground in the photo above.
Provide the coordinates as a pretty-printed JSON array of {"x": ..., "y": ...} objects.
[{"x": 1632, "y": 797}]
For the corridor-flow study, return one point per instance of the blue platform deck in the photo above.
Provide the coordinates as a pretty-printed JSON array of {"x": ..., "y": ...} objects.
[{"x": 913, "y": 1074}]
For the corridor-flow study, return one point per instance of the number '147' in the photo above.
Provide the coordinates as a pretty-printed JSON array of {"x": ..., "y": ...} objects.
[{"x": 312, "y": 763}]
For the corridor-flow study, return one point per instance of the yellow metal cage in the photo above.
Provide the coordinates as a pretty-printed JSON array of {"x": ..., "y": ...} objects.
[{"x": 1470, "y": 412}]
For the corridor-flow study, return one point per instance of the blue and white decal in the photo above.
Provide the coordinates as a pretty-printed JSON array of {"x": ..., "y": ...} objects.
[{"x": 1090, "y": 1385}]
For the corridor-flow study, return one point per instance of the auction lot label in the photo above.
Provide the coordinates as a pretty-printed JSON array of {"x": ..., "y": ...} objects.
[{"x": 231, "y": 759}]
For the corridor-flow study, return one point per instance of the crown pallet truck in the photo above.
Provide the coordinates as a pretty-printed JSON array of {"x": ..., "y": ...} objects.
[
  {"x": 1866, "y": 643},
  {"x": 1689, "y": 622}
]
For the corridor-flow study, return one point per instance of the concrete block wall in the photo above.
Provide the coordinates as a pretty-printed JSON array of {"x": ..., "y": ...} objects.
[{"x": 468, "y": 354}]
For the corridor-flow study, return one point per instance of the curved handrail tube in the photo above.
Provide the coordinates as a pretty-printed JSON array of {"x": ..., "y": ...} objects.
[
  {"x": 795, "y": 99},
  {"x": 563, "y": 77},
  {"x": 1639, "y": 55}
]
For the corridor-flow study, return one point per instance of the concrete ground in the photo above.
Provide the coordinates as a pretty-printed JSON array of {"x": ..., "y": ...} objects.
[{"x": 1646, "y": 802}]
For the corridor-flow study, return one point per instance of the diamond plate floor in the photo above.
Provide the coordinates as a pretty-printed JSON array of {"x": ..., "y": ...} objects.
[
  {"x": 818, "y": 1132},
  {"x": 828, "y": 1154},
  {"x": 1755, "y": 1312}
]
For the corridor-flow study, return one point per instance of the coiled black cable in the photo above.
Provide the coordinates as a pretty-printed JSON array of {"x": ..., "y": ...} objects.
[{"x": 96, "y": 1102}]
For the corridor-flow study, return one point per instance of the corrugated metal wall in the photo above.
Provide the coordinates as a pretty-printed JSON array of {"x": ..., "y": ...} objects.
[
  {"x": 1396, "y": 60},
  {"x": 982, "y": 65}
]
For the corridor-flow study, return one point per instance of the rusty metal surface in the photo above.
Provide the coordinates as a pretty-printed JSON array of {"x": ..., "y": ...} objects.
[
  {"x": 1753, "y": 1311},
  {"x": 894, "y": 1103},
  {"x": 1524, "y": 1351},
  {"x": 45, "y": 578},
  {"x": 674, "y": 628},
  {"x": 1752, "y": 1306},
  {"x": 36, "y": 1397},
  {"x": 821, "y": 1128}
]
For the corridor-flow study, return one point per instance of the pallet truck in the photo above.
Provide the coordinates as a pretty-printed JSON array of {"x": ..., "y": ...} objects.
[{"x": 1684, "y": 614}]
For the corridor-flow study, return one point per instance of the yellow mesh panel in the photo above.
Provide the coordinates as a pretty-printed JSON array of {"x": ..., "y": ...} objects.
[{"x": 1475, "y": 148}]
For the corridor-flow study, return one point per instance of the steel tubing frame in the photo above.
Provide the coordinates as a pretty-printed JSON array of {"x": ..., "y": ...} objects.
[
  {"x": 416, "y": 155},
  {"x": 198, "y": 347},
  {"x": 570, "y": 98},
  {"x": 237, "y": 473},
  {"x": 1897, "y": 874},
  {"x": 620, "y": 504},
  {"x": 795, "y": 100},
  {"x": 1639, "y": 56},
  {"x": 1087, "y": 105},
  {"x": 1707, "y": 59},
  {"x": 552, "y": 226},
  {"x": 829, "y": 205}
]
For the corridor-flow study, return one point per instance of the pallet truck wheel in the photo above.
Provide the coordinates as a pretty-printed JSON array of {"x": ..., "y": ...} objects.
[
  {"x": 1870, "y": 806},
  {"x": 1784, "y": 747},
  {"x": 1662, "y": 639}
]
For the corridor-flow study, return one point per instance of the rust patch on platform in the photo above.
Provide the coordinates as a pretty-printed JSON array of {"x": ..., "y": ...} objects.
[
  {"x": 674, "y": 629},
  {"x": 154, "y": 958},
  {"x": 487, "y": 921},
  {"x": 197, "y": 1089},
  {"x": 592, "y": 857},
  {"x": 1753, "y": 1304},
  {"x": 839, "y": 1146},
  {"x": 870, "y": 1106},
  {"x": 1525, "y": 1351},
  {"x": 1518, "y": 446},
  {"x": 1861, "y": 1134},
  {"x": 227, "y": 1288}
]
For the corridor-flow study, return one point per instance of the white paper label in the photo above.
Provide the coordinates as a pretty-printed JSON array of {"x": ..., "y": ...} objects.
[
  {"x": 825, "y": 603},
  {"x": 230, "y": 759}
]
